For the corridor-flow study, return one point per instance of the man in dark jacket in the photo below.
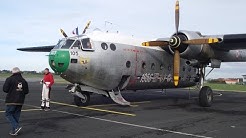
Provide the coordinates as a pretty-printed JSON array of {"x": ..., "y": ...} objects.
[{"x": 16, "y": 88}]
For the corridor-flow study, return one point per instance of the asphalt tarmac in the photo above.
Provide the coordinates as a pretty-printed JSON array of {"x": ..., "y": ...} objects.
[{"x": 153, "y": 114}]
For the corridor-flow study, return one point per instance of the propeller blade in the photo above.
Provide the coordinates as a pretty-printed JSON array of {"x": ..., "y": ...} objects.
[
  {"x": 155, "y": 43},
  {"x": 177, "y": 16},
  {"x": 63, "y": 33},
  {"x": 86, "y": 27},
  {"x": 201, "y": 41},
  {"x": 176, "y": 67}
]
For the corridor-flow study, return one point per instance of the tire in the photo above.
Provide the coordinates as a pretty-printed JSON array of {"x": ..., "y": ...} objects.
[
  {"x": 206, "y": 97},
  {"x": 82, "y": 102}
]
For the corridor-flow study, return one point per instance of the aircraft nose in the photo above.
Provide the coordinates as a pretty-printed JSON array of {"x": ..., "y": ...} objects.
[{"x": 59, "y": 60}]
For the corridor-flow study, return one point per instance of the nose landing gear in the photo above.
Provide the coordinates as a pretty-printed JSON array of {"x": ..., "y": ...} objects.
[{"x": 81, "y": 98}]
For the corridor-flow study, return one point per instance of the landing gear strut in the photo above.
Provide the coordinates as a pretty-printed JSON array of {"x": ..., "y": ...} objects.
[
  {"x": 81, "y": 98},
  {"x": 205, "y": 93},
  {"x": 82, "y": 101}
]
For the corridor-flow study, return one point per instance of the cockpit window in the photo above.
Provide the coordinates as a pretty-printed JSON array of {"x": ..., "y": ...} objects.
[
  {"x": 67, "y": 44},
  {"x": 86, "y": 44},
  {"x": 59, "y": 44},
  {"x": 77, "y": 45}
]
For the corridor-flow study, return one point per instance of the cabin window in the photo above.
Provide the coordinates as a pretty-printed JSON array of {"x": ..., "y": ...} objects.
[
  {"x": 153, "y": 66},
  {"x": 104, "y": 46},
  {"x": 67, "y": 44},
  {"x": 76, "y": 45},
  {"x": 143, "y": 65},
  {"x": 86, "y": 44},
  {"x": 112, "y": 47},
  {"x": 169, "y": 68},
  {"x": 128, "y": 64}
]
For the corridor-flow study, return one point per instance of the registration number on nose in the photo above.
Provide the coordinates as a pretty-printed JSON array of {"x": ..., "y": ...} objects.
[{"x": 74, "y": 53}]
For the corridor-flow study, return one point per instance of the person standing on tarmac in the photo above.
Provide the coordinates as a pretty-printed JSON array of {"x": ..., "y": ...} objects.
[
  {"x": 47, "y": 82},
  {"x": 16, "y": 88}
]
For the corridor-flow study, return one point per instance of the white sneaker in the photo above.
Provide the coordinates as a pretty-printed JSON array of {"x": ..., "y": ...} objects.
[{"x": 17, "y": 130}]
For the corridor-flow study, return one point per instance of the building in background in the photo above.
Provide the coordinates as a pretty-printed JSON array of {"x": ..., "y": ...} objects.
[
  {"x": 232, "y": 81},
  {"x": 244, "y": 79}
]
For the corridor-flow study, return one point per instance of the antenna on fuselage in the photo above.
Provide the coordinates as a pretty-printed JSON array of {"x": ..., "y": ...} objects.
[{"x": 107, "y": 22}]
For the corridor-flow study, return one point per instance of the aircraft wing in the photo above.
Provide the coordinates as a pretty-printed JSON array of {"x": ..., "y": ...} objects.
[
  {"x": 231, "y": 42},
  {"x": 37, "y": 49}
]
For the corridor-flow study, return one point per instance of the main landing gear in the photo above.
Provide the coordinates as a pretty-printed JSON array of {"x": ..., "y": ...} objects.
[
  {"x": 206, "y": 96},
  {"x": 205, "y": 93}
]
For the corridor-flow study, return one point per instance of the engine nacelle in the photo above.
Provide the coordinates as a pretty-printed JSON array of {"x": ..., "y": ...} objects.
[{"x": 189, "y": 51}]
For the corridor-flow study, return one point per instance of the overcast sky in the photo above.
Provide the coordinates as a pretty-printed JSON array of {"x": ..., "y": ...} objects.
[{"x": 27, "y": 23}]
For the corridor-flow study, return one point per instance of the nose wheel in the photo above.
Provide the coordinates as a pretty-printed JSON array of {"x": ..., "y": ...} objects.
[{"x": 79, "y": 101}]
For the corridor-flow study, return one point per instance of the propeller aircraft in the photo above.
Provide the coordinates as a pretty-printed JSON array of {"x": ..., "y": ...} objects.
[{"x": 109, "y": 63}]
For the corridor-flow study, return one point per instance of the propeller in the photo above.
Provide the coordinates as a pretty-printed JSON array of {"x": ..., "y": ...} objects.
[
  {"x": 84, "y": 31},
  {"x": 63, "y": 33},
  {"x": 177, "y": 17},
  {"x": 176, "y": 41},
  {"x": 86, "y": 27}
]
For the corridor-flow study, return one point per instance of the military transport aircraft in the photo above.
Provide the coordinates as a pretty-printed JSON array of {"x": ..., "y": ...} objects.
[{"x": 109, "y": 63}]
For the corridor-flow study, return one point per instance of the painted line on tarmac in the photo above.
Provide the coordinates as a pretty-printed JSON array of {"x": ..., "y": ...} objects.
[
  {"x": 133, "y": 104},
  {"x": 134, "y": 125},
  {"x": 89, "y": 108},
  {"x": 94, "y": 109},
  {"x": 124, "y": 123},
  {"x": 27, "y": 110}
]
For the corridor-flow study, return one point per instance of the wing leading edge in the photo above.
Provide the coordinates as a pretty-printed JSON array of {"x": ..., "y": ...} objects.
[
  {"x": 37, "y": 49},
  {"x": 232, "y": 42}
]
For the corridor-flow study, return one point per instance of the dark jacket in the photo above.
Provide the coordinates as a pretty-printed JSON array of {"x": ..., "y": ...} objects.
[{"x": 16, "y": 88}]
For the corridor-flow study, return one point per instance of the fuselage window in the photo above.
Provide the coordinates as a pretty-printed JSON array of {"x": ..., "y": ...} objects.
[
  {"x": 86, "y": 44},
  {"x": 153, "y": 66},
  {"x": 128, "y": 64},
  {"x": 67, "y": 44},
  {"x": 112, "y": 47},
  {"x": 77, "y": 45},
  {"x": 143, "y": 65},
  {"x": 104, "y": 46},
  {"x": 169, "y": 68}
]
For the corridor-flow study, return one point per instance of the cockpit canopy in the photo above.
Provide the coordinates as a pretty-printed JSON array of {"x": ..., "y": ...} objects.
[{"x": 71, "y": 43}]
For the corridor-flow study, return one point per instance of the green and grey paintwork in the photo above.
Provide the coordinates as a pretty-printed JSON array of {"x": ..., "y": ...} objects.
[{"x": 105, "y": 69}]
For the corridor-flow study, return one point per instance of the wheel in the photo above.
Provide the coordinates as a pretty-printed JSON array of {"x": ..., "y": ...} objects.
[
  {"x": 82, "y": 102},
  {"x": 206, "y": 97}
]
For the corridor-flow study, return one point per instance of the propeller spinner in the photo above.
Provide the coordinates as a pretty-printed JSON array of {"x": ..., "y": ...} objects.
[{"x": 176, "y": 41}]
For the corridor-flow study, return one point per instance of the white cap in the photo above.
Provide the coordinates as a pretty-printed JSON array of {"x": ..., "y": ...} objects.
[{"x": 15, "y": 70}]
